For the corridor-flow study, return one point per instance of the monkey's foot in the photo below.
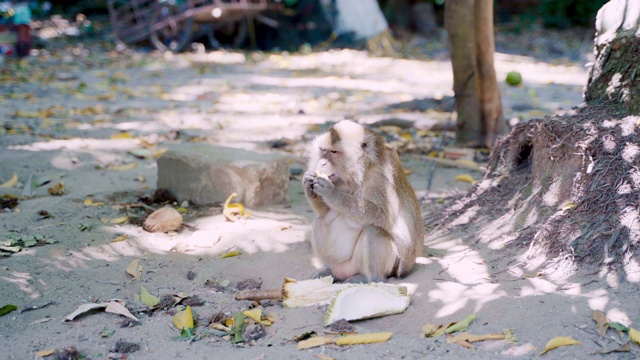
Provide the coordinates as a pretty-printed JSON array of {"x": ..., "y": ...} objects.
[
  {"x": 361, "y": 279},
  {"x": 322, "y": 273}
]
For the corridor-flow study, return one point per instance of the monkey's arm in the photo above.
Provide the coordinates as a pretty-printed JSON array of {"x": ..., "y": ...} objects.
[
  {"x": 364, "y": 211},
  {"x": 316, "y": 201}
]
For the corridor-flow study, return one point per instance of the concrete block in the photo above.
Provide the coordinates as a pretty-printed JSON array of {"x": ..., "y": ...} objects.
[{"x": 205, "y": 174}]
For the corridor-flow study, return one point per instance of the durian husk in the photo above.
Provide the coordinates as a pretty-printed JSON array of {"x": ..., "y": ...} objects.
[
  {"x": 367, "y": 301},
  {"x": 322, "y": 290},
  {"x": 163, "y": 220}
]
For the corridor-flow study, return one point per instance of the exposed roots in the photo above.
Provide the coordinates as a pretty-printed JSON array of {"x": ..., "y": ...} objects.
[{"x": 566, "y": 187}]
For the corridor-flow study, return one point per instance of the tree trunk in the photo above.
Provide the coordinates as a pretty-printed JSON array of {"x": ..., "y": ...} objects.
[
  {"x": 458, "y": 21},
  {"x": 615, "y": 76},
  {"x": 470, "y": 27},
  {"x": 492, "y": 120}
]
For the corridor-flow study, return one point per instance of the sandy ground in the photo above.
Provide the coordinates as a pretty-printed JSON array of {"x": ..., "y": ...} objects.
[{"x": 248, "y": 101}]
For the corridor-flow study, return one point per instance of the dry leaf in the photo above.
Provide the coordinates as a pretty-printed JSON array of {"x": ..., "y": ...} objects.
[
  {"x": 230, "y": 211},
  {"x": 10, "y": 183},
  {"x": 134, "y": 269},
  {"x": 120, "y": 220},
  {"x": 315, "y": 342},
  {"x": 623, "y": 348},
  {"x": 121, "y": 238},
  {"x": 40, "y": 321},
  {"x": 559, "y": 341},
  {"x": 122, "y": 167},
  {"x": 45, "y": 353},
  {"x": 465, "y": 344},
  {"x": 115, "y": 306},
  {"x": 147, "y": 298},
  {"x": 122, "y": 135},
  {"x": 364, "y": 338},
  {"x": 324, "y": 357},
  {"x": 468, "y": 163},
  {"x": 159, "y": 153},
  {"x": 465, "y": 336},
  {"x": 430, "y": 330},
  {"x": 465, "y": 178},
  {"x": 634, "y": 335},
  {"x": 184, "y": 319},
  {"x": 256, "y": 315},
  {"x": 602, "y": 323},
  {"x": 57, "y": 190},
  {"x": 231, "y": 254},
  {"x": 90, "y": 202}
]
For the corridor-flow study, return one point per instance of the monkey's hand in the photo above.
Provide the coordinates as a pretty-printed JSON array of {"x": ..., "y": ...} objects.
[
  {"x": 308, "y": 180},
  {"x": 323, "y": 186}
]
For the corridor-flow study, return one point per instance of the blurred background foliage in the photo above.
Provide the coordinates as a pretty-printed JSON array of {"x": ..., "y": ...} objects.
[{"x": 521, "y": 14}]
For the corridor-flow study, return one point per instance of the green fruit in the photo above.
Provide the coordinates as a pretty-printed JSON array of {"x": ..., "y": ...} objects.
[{"x": 514, "y": 78}]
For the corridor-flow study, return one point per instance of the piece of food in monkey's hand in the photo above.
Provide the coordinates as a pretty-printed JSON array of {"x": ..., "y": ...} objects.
[{"x": 323, "y": 175}]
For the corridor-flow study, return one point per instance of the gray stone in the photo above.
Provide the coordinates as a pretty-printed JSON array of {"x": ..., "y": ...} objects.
[{"x": 205, "y": 175}]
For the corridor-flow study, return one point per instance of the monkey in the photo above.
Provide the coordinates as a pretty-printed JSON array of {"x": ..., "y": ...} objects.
[{"x": 368, "y": 225}]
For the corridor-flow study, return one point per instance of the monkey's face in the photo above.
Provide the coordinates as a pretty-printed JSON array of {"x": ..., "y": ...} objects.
[
  {"x": 329, "y": 164},
  {"x": 344, "y": 153}
]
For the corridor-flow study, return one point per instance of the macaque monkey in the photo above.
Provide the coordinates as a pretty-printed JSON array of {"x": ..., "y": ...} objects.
[{"x": 368, "y": 225}]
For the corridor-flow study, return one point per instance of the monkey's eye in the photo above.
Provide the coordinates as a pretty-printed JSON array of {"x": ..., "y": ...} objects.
[
  {"x": 363, "y": 146},
  {"x": 335, "y": 152}
]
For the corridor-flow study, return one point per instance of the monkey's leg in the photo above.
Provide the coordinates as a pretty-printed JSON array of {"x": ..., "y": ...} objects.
[{"x": 375, "y": 254}]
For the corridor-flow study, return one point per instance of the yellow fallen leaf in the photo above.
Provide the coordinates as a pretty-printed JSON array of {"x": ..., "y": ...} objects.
[
  {"x": 602, "y": 323},
  {"x": 231, "y": 254},
  {"x": 232, "y": 210},
  {"x": 467, "y": 162},
  {"x": 121, "y": 238},
  {"x": 159, "y": 153},
  {"x": 371, "y": 338},
  {"x": 57, "y": 190},
  {"x": 123, "y": 167},
  {"x": 45, "y": 353},
  {"x": 634, "y": 335},
  {"x": 229, "y": 322},
  {"x": 184, "y": 319},
  {"x": 256, "y": 315},
  {"x": 568, "y": 206},
  {"x": 315, "y": 342},
  {"x": 559, "y": 341},
  {"x": 140, "y": 179},
  {"x": 465, "y": 336},
  {"x": 465, "y": 344},
  {"x": 90, "y": 202},
  {"x": 11, "y": 182},
  {"x": 120, "y": 220},
  {"x": 430, "y": 330},
  {"x": 122, "y": 135},
  {"x": 134, "y": 269},
  {"x": 218, "y": 326},
  {"x": 465, "y": 178},
  {"x": 324, "y": 357},
  {"x": 147, "y": 298}
]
